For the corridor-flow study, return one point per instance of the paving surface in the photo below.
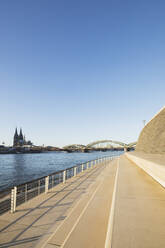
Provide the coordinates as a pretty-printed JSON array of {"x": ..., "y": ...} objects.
[
  {"x": 139, "y": 220},
  {"x": 35, "y": 221},
  {"x": 77, "y": 214},
  {"x": 87, "y": 225}
]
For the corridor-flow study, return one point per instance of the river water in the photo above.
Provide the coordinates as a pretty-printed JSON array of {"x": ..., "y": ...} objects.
[{"x": 19, "y": 168}]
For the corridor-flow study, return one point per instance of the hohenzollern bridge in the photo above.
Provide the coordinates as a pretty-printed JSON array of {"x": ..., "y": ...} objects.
[{"x": 100, "y": 145}]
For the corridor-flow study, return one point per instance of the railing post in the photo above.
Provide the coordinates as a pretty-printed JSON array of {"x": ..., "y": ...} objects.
[
  {"x": 87, "y": 165},
  {"x": 82, "y": 167},
  {"x": 26, "y": 192},
  {"x": 75, "y": 170},
  {"x": 46, "y": 184},
  {"x": 13, "y": 199},
  {"x": 64, "y": 176}
]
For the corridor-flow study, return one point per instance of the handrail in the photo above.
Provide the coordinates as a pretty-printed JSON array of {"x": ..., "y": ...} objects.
[
  {"x": 14, "y": 196},
  {"x": 56, "y": 172}
]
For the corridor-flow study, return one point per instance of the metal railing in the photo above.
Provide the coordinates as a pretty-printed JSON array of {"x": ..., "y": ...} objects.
[{"x": 13, "y": 197}]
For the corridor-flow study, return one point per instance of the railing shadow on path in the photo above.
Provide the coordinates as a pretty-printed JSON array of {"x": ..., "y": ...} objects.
[
  {"x": 19, "y": 242},
  {"x": 53, "y": 193}
]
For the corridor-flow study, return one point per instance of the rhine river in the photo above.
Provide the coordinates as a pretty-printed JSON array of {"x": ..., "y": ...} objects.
[{"x": 20, "y": 168}]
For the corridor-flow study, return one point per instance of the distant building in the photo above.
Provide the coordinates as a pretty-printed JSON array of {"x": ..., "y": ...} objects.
[{"x": 19, "y": 139}]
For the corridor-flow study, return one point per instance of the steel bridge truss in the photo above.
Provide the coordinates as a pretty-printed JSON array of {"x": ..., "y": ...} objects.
[{"x": 100, "y": 143}]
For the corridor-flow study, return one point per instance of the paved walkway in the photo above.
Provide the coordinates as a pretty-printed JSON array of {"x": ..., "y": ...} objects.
[
  {"x": 36, "y": 221},
  {"x": 80, "y": 213},
  {"x": 86, "y": 226},
  {"x": 139, "y": 219}
]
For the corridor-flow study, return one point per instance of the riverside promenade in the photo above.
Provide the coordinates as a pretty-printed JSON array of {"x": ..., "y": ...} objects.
[{"x": 114, "y": 204}]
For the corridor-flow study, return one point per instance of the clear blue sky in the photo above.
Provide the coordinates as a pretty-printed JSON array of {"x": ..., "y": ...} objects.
[{"x": 78, "y": 71}]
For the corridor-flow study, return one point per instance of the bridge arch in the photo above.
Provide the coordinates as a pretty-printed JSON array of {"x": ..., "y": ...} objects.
[{"x": 90, "y": 145}]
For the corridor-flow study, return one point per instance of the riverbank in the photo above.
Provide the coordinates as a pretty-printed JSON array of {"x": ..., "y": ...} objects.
[{"x": 24, "y": 150}]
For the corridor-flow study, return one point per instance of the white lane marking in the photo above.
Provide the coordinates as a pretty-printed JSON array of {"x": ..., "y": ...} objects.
[
  {"x": 82, "y": 214},
  {"x": 108, "y": 241}
]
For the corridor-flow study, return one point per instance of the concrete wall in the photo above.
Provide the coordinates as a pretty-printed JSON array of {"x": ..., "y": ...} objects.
[
  {"x": 155, "y": 170},
  {"x": 152, "y": 137}
]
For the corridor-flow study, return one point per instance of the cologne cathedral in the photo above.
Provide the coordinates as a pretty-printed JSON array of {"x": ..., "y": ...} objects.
[{"x": 19, "y": 139}]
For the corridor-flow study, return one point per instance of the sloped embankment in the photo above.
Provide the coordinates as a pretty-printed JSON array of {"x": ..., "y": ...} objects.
[{"x": 152, "y": 137}]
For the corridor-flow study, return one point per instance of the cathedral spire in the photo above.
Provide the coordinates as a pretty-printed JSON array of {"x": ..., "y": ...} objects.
[
  {"x": 16, "y": 133},
  {"x": 20, "y": 134},
  {"x": 16, "y": 137}
]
